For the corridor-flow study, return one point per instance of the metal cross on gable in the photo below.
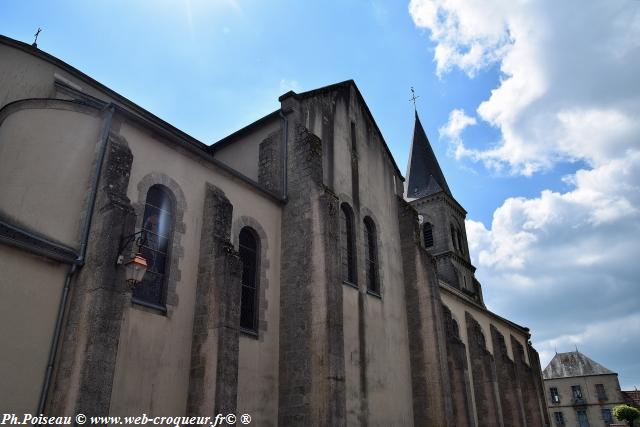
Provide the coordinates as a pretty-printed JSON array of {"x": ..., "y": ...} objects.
[
  {"x": 413, "y": 98},
  {"x": 35, "y": 42}
]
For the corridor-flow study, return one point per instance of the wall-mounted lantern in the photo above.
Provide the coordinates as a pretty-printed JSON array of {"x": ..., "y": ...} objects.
[{"x": 136, "y": 267}]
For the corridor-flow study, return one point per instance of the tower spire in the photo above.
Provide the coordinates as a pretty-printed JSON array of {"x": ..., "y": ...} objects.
[{"x": 424, "y": 176}]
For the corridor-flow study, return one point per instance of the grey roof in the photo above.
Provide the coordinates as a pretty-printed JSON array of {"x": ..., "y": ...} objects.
[
  {"x": 424, "y": 176},
  {"x": 573, "y": 364}
]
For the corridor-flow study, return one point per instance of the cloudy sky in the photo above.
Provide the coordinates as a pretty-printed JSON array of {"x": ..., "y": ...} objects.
[{"x": 533, "y": 108}]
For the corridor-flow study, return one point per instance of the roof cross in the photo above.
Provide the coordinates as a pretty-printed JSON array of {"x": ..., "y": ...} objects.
[
  {"x": 35, "y": 42},
  {"x": 413, "y": 98}
]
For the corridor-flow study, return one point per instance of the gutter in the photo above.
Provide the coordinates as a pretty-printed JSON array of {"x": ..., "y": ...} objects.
[{"x": 79, "y": 261}]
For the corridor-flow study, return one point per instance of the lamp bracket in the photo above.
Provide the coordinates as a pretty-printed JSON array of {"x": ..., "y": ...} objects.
[{"x": 140, "y": 237}]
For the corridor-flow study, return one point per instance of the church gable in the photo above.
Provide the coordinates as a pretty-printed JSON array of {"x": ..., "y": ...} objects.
[{"x": 320, "y": 108}]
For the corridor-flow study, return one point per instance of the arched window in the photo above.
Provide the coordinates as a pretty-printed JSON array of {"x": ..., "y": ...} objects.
[
  {"x": 453, "y": 238},
  {"x": 347, "y": 244},
  {"x": 427, "y": 232},
  {"x": 455, "y": 327},
  {"x": 158, "y": 224},
  {"x": 481, "y": 340},
  {"x": 460, "y": 247},
  {"x": 249, "y": 250},
  {"x": 371, "y": 255}
]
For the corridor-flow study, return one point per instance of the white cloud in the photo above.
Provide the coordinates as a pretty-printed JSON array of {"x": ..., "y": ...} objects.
[
  {"x": 564, "y": 263},
  {"x": 569, "y": 75},
  {"x": 458, "y": 121}
]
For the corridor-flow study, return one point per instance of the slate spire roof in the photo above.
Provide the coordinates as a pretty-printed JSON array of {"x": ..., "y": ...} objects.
[
  {"x": 573, "y": 364},
  {"x": 424, "y": 176}
]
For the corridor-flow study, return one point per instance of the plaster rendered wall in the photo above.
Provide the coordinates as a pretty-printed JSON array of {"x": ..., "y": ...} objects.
[
  {"x": 152, "y": 369},
  {"x": 30, "y": 289},
  {"x": 588, "y": 388},
  {"x": 378, "y": 381},
  {"x": 46, "y": 157},
  {"x": 46, "y": 154},
  {"x": 23, "y": 75},
  {"x": 242, "y": 154}
]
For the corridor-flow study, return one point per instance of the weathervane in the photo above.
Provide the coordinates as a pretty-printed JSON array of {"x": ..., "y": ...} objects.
[
  {"x": 413, "y": 98},
  {"x": 35, "y": 42}
]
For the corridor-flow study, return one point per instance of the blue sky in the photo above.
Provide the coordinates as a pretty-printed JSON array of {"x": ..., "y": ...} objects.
[
  {"x": 210, "y": 68},
  {"x": 538, "y": 141}
]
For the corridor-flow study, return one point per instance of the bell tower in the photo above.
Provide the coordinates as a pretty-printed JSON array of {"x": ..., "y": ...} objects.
[{"x": 442, "y": 229}]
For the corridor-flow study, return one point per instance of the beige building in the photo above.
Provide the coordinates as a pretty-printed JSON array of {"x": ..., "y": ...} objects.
[
  {"x": 293, "y": 274},
  {"x": 580, "y": 392}
]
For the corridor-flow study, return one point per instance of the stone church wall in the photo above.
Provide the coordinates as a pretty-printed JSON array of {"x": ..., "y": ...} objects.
[
  {"x": 150, "y": 340},
  {"x": 324, "y": 353},
  {"x": 375, "y": 340}
]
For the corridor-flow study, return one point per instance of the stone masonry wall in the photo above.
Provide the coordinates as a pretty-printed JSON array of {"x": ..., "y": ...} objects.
[
  {"x": 270, "y": 162},
  {"x": 213, "y": 377},
  {"x": 458, "y": 374},
  {"x": 429, "y": 371},
  {"x": 483, "y": 376},
  {"x": 311, "y": 387},
  {"x": 526, "y": 379},
  {"x": 86, "y": 363},
  {"x": 510, "y": 393}
]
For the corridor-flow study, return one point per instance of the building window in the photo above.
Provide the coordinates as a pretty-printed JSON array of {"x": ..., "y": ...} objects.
[
  {"x": 583, "y": 420},
  {"x": 482, "y": 340},
  {"x": 157, "y": 222},
  {"x": 576, "y": 391},
  {"x": 453, "y": 238},
  {"x": 371, "y": 256},
  {"x": 559, "y": 417},
  {"x": 555, "y": 397},
  {"x": 602, "y": 394},
  {"x": 427, "y": 233},
  {"x": 347, "y": 244},
  {"x": 456, "y": 328},
  {"x": 354, "y": 145},
  {"x": 606, "y": 416},
  {"x": 460, "y": 247},
  {"x": 249, "y": 250}
]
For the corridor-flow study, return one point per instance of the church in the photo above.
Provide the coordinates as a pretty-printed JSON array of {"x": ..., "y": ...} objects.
[{"x": 289, "y": 271}]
